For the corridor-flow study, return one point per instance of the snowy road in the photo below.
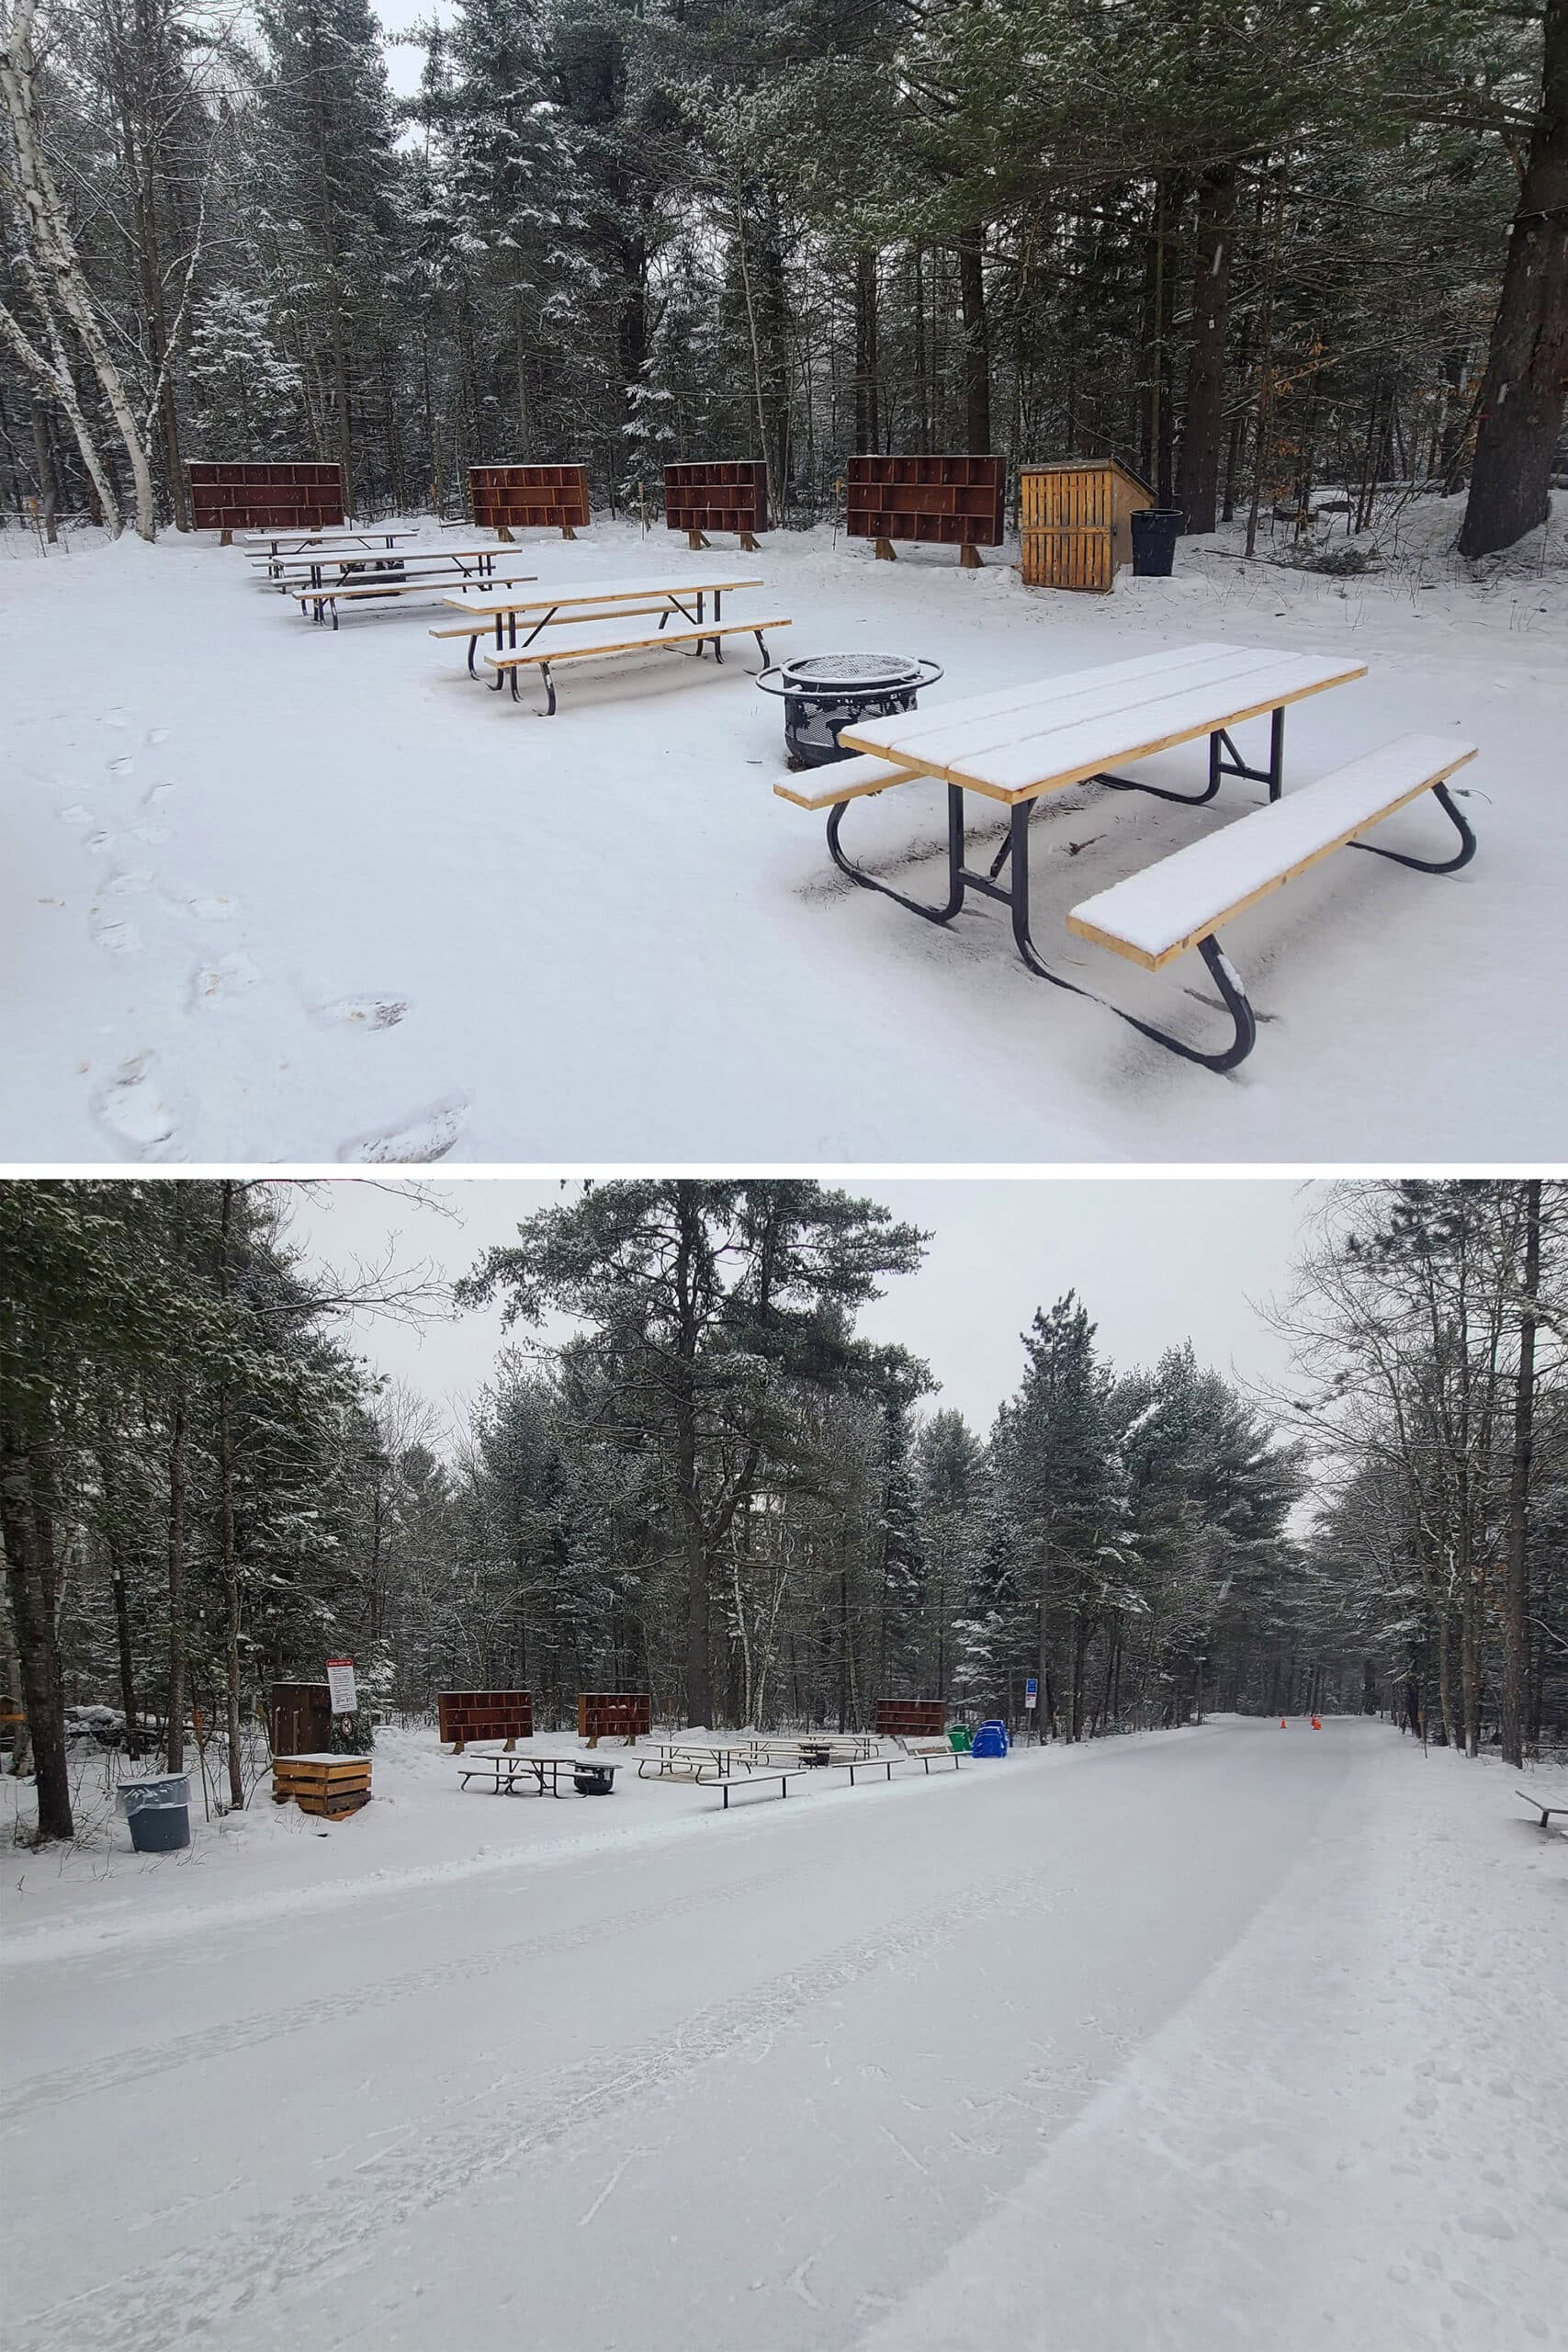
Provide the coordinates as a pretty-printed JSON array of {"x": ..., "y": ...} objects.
[{"x": 753, "y": 2085}]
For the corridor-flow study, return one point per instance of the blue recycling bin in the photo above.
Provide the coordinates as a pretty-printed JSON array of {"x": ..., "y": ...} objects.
[
  {"x": 157, "y": 1812},
  {"x": 991, "y": 1739}
]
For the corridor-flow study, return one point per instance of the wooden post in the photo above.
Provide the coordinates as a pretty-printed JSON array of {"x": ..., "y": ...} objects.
[
  {"x": 750, "y": 542},
  {"x": 696, "y": 540},
  {"x": 225, "y": 538},
  {"x": 969, "y": 556},
  {"x": 885, "y": 552},
  {"x": 567, "y": 532},
  {"x": 510, "y": 1747},
  {"x": 503, "y": 531}
]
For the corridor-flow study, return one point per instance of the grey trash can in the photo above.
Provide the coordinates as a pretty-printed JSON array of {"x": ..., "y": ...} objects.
[
  {"x": 158, "y": 1813},
  {"x": 1155, "y": 530}
]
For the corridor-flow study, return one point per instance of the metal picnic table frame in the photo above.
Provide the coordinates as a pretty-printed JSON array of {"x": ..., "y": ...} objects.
[{"x": 1224, "y": 760}]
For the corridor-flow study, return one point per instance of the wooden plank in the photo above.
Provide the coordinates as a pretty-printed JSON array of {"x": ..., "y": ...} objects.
[
  {"x": 596, "y": 593},
  {"x": 557, "y": 652},
  {"x": 1052, "y": 757},
  {"x": 906, "y": 736},
  {"x": 847, "y": 780},
  {"x": 1082, "y": 922}
]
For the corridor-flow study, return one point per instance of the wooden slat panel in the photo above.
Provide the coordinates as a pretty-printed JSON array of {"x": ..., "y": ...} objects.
[
  {"x": 1009, "y": 764},
  {"x": 1109, "y": 685}
]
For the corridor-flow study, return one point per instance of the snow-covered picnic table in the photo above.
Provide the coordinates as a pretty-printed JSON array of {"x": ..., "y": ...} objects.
[
  {"x": 597, "y": 599},
  {"x": 506, "y": 1774},
  {"x": 271, "y": 545},
  {"x": 1041, "y": 736},
  {"x": 321, "y": 582}
]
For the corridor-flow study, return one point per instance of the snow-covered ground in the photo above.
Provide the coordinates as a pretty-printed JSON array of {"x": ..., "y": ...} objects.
[
  {"x": 271, "y": 894},
  {"x": 1206, "y": 2040}
]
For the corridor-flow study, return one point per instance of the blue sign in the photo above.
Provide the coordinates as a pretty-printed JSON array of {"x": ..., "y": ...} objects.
[{"x": 1031, "y": 1687}]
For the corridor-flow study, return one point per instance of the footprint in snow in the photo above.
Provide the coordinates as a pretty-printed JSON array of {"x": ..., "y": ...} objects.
[
  {"x": 374, "y": 1011},
  {"x": 102, "y": 839},
  {"x": 75, "y": 815},
  {"x": 424, "y": 1134},
  {"x": 118, "y": 938},
  {"x": 129, "y": 881},
  {"x": 157, "y": 735},
  {"x": 122, "y": 766},
  {"x": 155, "y": 795},
  {"x": 133, "y": 1113},
  {"x": 214, "y": 909},
  {"x": 226, "y": 978}
]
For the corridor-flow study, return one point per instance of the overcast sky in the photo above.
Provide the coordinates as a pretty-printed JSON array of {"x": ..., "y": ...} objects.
[
  {"x": 1155, "y": 1262},
  {"x": 404, "y": 64}
]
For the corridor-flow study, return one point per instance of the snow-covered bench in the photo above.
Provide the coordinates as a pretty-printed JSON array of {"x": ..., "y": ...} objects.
[
  {"x": 844, "y": 780},
  {"x": 1545, "y": 1811},
  {"x": 582, "y": 643},
  {"x": 931, "y": 1751},
  {"x": 1154, "y": 916}
]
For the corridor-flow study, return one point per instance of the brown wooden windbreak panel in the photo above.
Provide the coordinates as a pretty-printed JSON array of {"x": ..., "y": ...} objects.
[
  {"x": 1075, "y": 522},
  {"x": 257, "y": 497},
  {"x": 518, "y": 498},
  {"x": 944, "y": 501},
  {"x": 910, "y": 1718},
  {"x": 485, "y": 1715},
  {"x": 607, "y": 1715},
  {"x": 299, "y": 1717},
  {"x": 728, "y": 495}
]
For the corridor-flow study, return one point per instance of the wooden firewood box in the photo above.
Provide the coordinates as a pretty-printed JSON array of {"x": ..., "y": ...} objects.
[{"x": 329, "y": 1786}]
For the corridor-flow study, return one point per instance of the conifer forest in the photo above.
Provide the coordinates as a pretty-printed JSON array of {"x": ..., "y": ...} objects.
[
  {"x": 716, "y": 1489},
  {"x": 1255, "y": 252}
]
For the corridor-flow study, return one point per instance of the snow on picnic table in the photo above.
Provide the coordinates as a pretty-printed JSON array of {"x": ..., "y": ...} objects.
[
  {"x": 1215, "y": 2038},
  {"x": 271, "y": 893}
]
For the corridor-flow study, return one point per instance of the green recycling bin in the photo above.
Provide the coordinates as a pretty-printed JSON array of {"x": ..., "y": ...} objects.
[{"x": 959, "y": 1734}]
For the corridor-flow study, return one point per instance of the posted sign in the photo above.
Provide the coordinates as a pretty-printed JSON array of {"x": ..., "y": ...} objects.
[
  {"x": 340, "y": 1682},
  {"x": 1031, "y": 1692}
]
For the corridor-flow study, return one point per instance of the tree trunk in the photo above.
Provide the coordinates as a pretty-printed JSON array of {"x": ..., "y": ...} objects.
[
  {"x": 226, "y": 1519},
  {"x": 1202, "y": 429},
  {"x": 30, "y": 1585},
  {"x": 1515, "y": 1584},
  {"x": 867, "y": 436},
  {"x": 48, "y": 224},
  {"x": 977, "y": 346},
  {"x": 175, "y": 1751},
  {"x": 1526, "y": 365}
]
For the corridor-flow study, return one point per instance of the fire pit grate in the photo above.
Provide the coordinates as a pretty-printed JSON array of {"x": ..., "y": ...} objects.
[{"x": 824, "y": 693}]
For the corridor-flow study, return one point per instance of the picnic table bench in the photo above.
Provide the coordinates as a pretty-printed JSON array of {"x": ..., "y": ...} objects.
[
  {"x": 783, "y": 1775},
  {"x": 675, "y": 1759},
  {"x": 1538, "y": 1804},
  {"x": 582, "y": 643},
  {"x": 506, "y": 1774},
  {"x": 1018, "y": 745},
  {"x": 931, "y": 1751},
  {"x": 611, "y": 600}
]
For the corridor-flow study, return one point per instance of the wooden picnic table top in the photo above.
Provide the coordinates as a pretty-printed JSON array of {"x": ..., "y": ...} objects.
[
  {"x": 330, "y": 535},
  {"x": 1031, "y": 739},
  {"x": 362, "y": 558},
  {"x": 599, "y": 592}
]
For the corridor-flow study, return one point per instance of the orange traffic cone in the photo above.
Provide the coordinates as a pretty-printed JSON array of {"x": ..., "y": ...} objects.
[
  {"x": 1315, "y": 1724},
  {"x": 1281, "y": 1722}
]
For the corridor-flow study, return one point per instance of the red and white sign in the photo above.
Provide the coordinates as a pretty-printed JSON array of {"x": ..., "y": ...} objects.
[{"x": 340, "y": 1682}]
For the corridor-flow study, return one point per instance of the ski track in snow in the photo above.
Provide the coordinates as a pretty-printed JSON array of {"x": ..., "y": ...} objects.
[{"x": 195, "y": 2291}]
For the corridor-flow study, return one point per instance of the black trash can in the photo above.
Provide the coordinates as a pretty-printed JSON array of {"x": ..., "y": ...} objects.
[
  {"x": 1155, "y": 530},
  {"x": 592, "y": 1781},
  {"x": 158, "y": 1813}
]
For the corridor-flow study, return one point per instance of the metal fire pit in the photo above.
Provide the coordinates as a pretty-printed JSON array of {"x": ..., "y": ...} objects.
[{"x": 824, "y": 693}]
